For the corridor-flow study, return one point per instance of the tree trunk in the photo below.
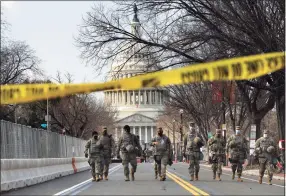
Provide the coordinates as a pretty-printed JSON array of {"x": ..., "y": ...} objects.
[
  {"x": 280, "y": 111},
  {"x": 257, "y": 122},
  {"x": 202, "y": 134}
]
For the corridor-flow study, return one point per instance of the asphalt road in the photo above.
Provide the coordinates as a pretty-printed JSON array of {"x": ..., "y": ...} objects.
[{"x": 177, "y": 183}]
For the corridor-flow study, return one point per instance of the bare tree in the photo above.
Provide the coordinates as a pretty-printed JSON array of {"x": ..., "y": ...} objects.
[
  {"x": 18, "y": 61},
  {"x": 183, "y": 32},
  {"x": 79, "y": 114},
  {"x": 196, "y": 100},
  {"x": 4, "y": 28},
  {"x": 170, "y": 122},
  {"x": 269, "y": 122}
]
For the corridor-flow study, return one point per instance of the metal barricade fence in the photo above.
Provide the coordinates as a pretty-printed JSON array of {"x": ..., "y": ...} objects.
[{"x": 19, "y": 141}]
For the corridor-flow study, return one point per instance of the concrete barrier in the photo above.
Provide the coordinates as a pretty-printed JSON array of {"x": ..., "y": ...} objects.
[{"x": 17, "y": 173}]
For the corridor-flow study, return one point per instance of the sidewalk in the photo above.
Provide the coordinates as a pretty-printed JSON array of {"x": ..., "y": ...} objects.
[{"x": 252, "y": 172}]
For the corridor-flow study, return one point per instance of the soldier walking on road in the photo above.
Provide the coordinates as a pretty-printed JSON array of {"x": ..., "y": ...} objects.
[
  {"x": 266, "y": 149},
  {"x": 217, "y": 148},
  {"x": 237, "y": 147},
  {"x": 162, "y": 153},
  {"x": 95, "y": 149},
  {"x": 129, "y": 146},
  {"x": 192, "y": 145},
  {"x": 108, "y": 149}
]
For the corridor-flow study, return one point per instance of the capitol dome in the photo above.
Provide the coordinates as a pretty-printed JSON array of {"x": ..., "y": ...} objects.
[{"x": 137, "y": 108}]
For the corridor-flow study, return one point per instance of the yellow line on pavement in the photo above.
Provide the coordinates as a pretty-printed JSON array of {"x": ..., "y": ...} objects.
[
  {"x": 181, "y": 184},
  {"x": 194, "y": 190}
]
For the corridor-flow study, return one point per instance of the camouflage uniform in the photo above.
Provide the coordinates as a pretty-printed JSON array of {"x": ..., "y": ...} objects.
[
  {"x": 162, "y": 153},
  {"x": 266, "y": 149},
  {"x": 192, "y": 145},
  {"x": 237, "y": 147},
  {"x": 95, "y": 148},
  {"x": 217, "y": 148},
  {"x": 108, "y": 147},
  {"x": 152, "y": 149},
  {"x": 125, "y": 142}
]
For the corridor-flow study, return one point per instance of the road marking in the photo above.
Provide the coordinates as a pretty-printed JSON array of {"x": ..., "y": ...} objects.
[
  {"x": 85, "y": 182},
  {"x": 172, "y": 176},
  {"x": 247, "y": 178},
  {"x": 82, "y": 188},
  {"x": 195, "y": 190},
  {"x": 181, "y": 184},
  {"x": 241, "y": 177},
  {"x": 214, "y": 192}
]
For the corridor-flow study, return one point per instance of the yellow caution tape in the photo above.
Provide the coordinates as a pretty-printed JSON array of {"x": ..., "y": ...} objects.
[{"x": 241, "y": 68}]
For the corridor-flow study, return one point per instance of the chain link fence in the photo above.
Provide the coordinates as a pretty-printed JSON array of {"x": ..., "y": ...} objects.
[{"x": 22, "y": 142}]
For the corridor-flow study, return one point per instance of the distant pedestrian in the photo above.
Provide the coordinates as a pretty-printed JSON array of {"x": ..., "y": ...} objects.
[
  {"x": 129, "y": 147},
  {"x": 217, "y": 148},
  {"x": 162, "y": 153},
  {"x": 108, "y": 147},
  {"x": 237, "y": 146},
  {"x": 266, "y": 149},
  {"x": 191, "y": 150},
  {"x": 94, "y": 149}
]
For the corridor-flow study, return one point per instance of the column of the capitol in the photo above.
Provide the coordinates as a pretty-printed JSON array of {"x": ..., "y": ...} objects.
[
  {"x": 116, "y": 134},
  {"x": 133, "y": 97},
  {"x": 117, "y": 100},
  {"x": 150, "y": 100},
  {"x": 140, "y": 133},
  {"x": 128, "y": 97},
  {"x": 146, "y": 131},
  {"x": 139, "y": 97},
  {"x": 160, "y": 95},
  {"x": 156, "y": 97}
]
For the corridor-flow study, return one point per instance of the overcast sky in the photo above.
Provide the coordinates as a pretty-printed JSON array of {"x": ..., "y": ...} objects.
[{"x": 49, "y": 27}]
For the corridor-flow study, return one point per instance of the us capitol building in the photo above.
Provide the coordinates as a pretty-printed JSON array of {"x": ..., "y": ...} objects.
[{"x": 137, "y": 108}]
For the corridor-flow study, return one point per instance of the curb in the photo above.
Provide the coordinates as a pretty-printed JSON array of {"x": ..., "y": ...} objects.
[
  {"x": 247, "y": 172},
  {"x": 18, "y": 173}
]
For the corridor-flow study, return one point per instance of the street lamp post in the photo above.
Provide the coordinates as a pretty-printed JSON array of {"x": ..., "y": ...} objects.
[
  {"x": 181, "y": 129},
  {"x": 48, "y": 114},
  {"x": 174, "y": 138},
  {"x": 223, "y": 116},
  {"x": 15, "y": 114}
]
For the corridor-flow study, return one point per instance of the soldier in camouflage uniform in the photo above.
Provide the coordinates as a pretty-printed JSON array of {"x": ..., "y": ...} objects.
[
  {"x": 192, "y": 145},
  {"x": 162, "y": 153},
  {"x": 152, "y": 149},
  {"x": 108, "y": 147},
  {"x": 266, "y": 149},
  {"x": 217, "y": 148},
  {"x": 95, "y": 150},
  {"x": 129, "y": 147},
  {"x": 237, "y": 147}
]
